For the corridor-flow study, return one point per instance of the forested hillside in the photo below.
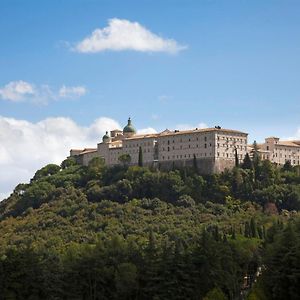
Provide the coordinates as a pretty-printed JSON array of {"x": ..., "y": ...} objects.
[{"x": 128, "y": 232}]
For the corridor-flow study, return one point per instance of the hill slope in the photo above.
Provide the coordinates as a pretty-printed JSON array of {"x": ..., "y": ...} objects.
[{"x": 125, "y": 232}]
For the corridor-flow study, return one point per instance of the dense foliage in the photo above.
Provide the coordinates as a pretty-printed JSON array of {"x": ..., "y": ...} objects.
[{"x": 125, "y": 232}]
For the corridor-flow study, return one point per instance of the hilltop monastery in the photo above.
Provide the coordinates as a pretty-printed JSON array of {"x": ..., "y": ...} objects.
[{"x": 213, "y": 148}]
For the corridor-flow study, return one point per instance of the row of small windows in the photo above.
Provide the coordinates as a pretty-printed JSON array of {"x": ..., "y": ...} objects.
[
  {"x": 232, "y": 139},
  {"x": 205, "y": 146},
  {"x": 131, "y": 145},
  {"x": 285, "y": 156},
  {"x": 168, "y": 142},
  {"x": 285, "y": 150},
  {"x": 230, "y": 155},
  {"x": 185, "y": 156},
  {"x": 137, "y": 150}
]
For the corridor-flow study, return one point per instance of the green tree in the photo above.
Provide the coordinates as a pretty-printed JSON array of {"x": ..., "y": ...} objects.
[
  {"x": 125, "y": 159},
  {"x": 247, "y": 163},
  {"x": 195, "y": 164},
  {"x": 215, "y": 294},
  {"x": 140, "y": 161},
  {"x": 48, "y": 170},
  {"x": 287, "y": 166},
  {"x": 70, "y": 161},
  {"x": 96, "y": 167},
  {"x": 236, "y": 158}
]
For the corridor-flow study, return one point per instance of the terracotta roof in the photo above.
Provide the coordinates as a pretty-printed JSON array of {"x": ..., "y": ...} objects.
[
  {"x": 88, "y": 150},
  {"x": 289, "y": 143},
  {"x": 179, "y": 132},
  {"x": 142, "y": 136}
]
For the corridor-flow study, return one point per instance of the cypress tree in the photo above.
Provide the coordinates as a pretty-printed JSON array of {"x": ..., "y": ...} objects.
[
  {"x": 233, "y": 234},
  {"x": 236, "y": 157},
  {"x": 140, "y": 162},
  {"x": 256, "y": 159},
  {"x": 195, "y": 164},
  {"x": 260, "y": 232},
  {"x": 247, "y": 229},
  {"x": 253, "y": 228}
]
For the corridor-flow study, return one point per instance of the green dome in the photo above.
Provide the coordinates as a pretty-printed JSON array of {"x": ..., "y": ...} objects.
[
  {"x": 105, "y": 137},
  {"x": 129, "y": 128}
]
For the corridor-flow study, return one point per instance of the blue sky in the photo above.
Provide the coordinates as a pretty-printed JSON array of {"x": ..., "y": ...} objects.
[{"x": 240, "y": 68}]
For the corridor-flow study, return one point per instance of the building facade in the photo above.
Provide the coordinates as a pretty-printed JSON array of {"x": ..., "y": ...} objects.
[
  {"x": 213, "y": 148},
  {"x": 279, "y": 152}
]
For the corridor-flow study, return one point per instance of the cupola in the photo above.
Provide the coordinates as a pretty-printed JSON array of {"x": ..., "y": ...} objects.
[
  {"x": 106, "y": 137},
  {"x": 129, "y": 130}
]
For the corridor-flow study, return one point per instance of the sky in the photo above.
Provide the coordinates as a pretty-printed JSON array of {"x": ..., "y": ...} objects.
[{"x": 72, "y": 69}]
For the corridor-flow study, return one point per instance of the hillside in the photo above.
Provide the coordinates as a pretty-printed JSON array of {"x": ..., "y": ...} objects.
[{"x": 125, "y": 232}]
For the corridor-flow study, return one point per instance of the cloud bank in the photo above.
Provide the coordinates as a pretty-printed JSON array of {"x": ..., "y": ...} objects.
[
  {"x": 122, "y": 35},
  {"x": 22, "y": 91},
  {"x": 25, "y": 147}
]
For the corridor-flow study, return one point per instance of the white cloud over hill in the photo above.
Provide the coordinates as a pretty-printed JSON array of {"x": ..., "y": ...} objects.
[
  {"x": 122, "y": 35},
  {"x": 26, "y": 147}
]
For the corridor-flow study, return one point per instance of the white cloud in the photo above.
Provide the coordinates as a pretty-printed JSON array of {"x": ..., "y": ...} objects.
[
  {"x": 71, "y": 92},
  {"x": 125, "y": 35},
  {"x": 26, "y": 147},
  {"x": 18, "y": 91},
  {"x": 146, "y": 130},
  {"x": 189, "y": 126}
]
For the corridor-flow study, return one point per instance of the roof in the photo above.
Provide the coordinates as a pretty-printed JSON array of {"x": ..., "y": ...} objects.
[
  {"x": 85, "y": 150},
  {"x": 180, "y": 132},
  {"x": 289, "y": 143}
]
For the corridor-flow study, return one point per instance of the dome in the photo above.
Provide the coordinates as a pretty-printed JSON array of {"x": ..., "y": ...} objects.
[
  {"x": 129, "y": 128},
  {"x": 105, "y": 138}
]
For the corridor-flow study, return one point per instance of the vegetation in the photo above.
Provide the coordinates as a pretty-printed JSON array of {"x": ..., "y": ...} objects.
[{"x": 125, "y": 232}]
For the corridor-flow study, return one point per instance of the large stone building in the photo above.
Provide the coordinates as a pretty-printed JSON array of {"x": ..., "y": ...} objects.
[
  {"x": 214, "y": 148},
  {"x": 279, "y": 152}
]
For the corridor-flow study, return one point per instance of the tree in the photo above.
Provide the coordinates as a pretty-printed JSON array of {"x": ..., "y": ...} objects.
[
  {"x": 215, "y": 294},
  {"x": 287, "y": 166},
  {"x": 70, "y": 161},
  {"x": 253, "y": 228},
  {"x": 195, "y": 164},
  {"x": 95, "y": 168},
  {"x": 256, "y": 158},
  {"x": 125, "y": 159},
  {"x": 247, "y": 163},
  {"x": 48, "y": 170},
  {"x": 236, "y": 157},
  {"x": 140, "y": 162}
]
